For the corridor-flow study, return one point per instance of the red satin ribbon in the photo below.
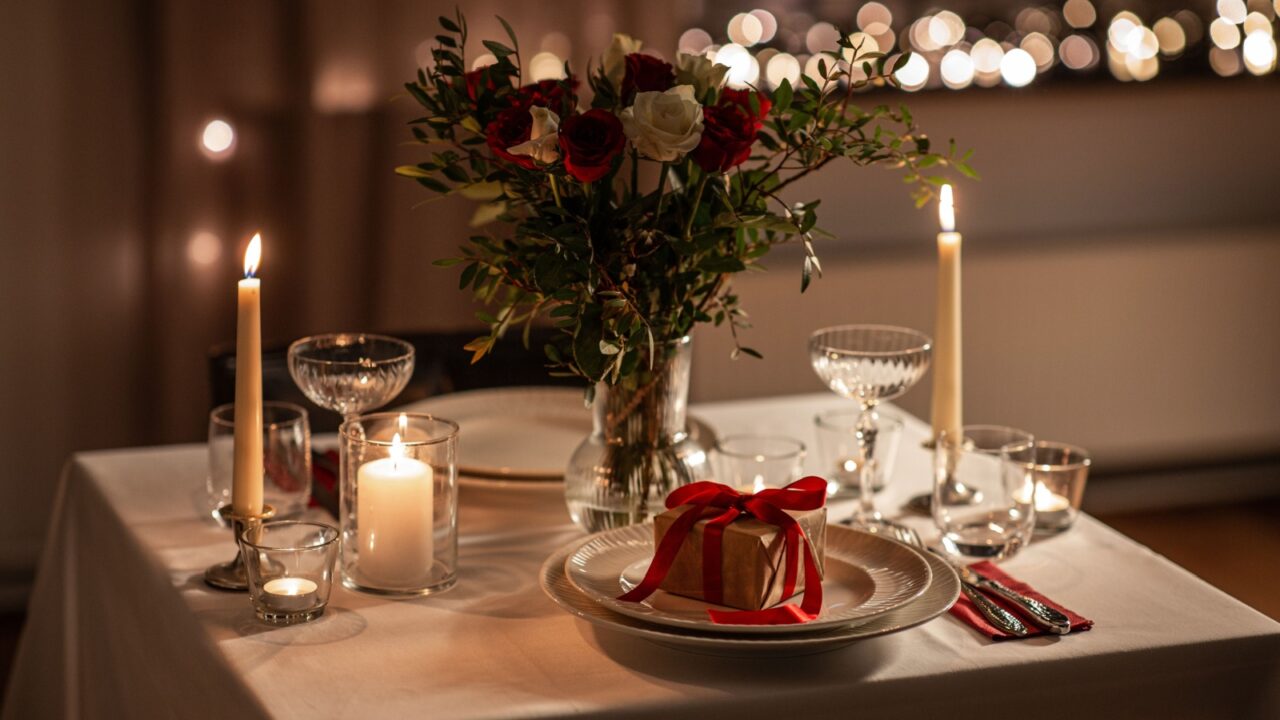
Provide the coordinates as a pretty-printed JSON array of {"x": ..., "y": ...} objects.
[{"x": 721, "y": 505}]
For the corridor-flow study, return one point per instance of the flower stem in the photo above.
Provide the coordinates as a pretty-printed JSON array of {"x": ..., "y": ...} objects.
[
  {"x": 635, "y": 174},
  {"x": 662, "y": 185},
  {"x": 693, "y": 209},
  {"x": 555, "y": 190}
]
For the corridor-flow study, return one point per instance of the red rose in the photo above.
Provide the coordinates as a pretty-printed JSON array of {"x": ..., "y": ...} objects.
[
  {"x": 559, "y": 96},
  {"x": 510, "y": 128},
  {"x": 590, "y": 142},
  {"x": 479, "y": 78},
  {"x": 728, "y": 131},
  {"x": 646, "y": 73},
  {"x": 742, "y": 98}
]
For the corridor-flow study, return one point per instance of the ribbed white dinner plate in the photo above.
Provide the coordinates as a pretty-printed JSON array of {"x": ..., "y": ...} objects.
[
  {"x": 518, "y": 433},
  {"x": 866, "y": 576},
  {"x": 941, "y": 594}
]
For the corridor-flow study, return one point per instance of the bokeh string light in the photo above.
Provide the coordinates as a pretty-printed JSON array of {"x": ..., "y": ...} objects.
[{"x": 1017, "y": 47}]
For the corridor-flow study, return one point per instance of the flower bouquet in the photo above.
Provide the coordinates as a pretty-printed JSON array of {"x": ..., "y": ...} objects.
[{"x": 626, "y": 210}]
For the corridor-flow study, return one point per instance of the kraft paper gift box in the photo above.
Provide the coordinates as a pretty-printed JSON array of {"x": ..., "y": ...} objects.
[{"x": 753, "y": 564}]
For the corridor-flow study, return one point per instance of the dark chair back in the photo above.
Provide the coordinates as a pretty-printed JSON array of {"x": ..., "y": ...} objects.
[{"x": 440, "y": 366}]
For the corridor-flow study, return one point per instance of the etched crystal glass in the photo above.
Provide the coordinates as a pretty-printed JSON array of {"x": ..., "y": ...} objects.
[
  {"x": 869, "y": 363},
  {"x": 350, "y": 373}
]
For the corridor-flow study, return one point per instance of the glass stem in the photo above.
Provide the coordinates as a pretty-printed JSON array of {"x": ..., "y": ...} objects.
[{"x": 865, "y": 513}]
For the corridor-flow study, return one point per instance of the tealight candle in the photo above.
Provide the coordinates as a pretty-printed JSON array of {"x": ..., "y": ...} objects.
[
  {"x": 1052, "y": 509},
  {"x": 289, "y": 593}
]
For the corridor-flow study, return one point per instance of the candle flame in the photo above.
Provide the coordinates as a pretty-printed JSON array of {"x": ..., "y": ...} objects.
[
  {"x": 252, "y": 255},
  {"x": 397, "y": 447},
  {"x": 404, "y": 424},
  {"x": 946, "y": 210}
]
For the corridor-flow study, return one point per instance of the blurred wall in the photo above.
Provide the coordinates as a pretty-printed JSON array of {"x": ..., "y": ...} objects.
[
  {"x": 1120, "y": 269},
  {"x": 1119, "y": 251}
]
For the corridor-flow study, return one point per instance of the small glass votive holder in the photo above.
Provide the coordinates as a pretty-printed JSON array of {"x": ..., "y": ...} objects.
[
  {"x": 399, "y": 503},
  {"x": 839, "y": 450},
  {"x": 289, "y": 565},
  {"x": 1060, "y": 472},
  {"x": 751, "y": 463}
]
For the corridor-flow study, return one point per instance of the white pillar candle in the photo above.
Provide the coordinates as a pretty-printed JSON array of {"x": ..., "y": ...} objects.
[
  {"x": 947, "y": 396},
  {"x": 394, "y": 511},
  {"x": 289, "y": 593},
  {"x": 246, "y": 484}
]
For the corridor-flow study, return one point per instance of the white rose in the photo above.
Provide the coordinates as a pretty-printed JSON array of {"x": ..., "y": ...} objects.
[
  {"x": 700, "y": 72},
  {"x": 664, "y": 126},
  {"x": 615, "y": 58},
  {"x": 543, "y": 143}
]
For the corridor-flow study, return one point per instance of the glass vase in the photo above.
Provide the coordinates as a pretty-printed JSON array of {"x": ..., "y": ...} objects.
[{"x": 639, "y": 449}]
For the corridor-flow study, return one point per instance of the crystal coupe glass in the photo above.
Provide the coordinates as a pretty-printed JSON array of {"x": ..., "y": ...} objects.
[
  {"x": 869, "y": 363},
  {"x": 350, "y": 373}
]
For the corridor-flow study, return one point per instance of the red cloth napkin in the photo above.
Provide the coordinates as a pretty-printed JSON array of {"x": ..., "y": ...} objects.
[
  {"x": 324, "y": 481},
  {"x": 966, "y": 612}
]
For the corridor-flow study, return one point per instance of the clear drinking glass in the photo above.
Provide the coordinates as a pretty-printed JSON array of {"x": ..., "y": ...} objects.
[
  {"x": 289, "y": 565},
  {"x": 1060, "y": 472},
  {"x": 869, "y": 363},
  {"x": 751, "y": 463},
  {"x": 351, "y": 373},
  {"x": 399, "y": 503},
  {"x": 997, "y": 517},
  {"x": 286, "y": 450},
  {"x": 839, "y": 443}
]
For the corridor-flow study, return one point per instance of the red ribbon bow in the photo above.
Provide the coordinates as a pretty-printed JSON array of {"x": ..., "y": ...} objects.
[{"x": 722, "y": 504}]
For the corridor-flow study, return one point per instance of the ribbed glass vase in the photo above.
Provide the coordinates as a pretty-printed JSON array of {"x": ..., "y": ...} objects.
[{"x": 640, "y": 448}]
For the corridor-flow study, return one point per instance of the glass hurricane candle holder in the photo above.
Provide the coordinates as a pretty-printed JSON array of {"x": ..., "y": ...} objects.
[
  {"x": 399, "y": 504},
  {"x": 289, "y": 565}
]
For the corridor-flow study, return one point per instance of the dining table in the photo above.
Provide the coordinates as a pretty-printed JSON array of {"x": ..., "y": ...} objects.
[{"x": 120, "y": 623}]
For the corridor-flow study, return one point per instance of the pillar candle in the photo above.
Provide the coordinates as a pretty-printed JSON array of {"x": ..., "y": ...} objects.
[
  {"x": 394, "y": 512},
  {"x": 246, "y": 485},
  {"x": 947, "y": 397}
]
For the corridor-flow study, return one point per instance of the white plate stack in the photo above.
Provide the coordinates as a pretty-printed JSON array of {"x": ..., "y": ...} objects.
[{"x": 873, "y": 586}]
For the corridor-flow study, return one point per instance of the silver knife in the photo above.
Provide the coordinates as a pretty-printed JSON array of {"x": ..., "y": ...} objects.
[
  {"x": 1042, "y": 615},
  {"x": 999, "y": 617}
]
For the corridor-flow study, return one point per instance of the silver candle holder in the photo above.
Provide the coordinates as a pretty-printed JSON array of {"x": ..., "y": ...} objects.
[{"x": 231, "y": 575}]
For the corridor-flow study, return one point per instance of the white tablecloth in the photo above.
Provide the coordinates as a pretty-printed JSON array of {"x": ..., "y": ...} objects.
[{"x": 121, "y": 625}]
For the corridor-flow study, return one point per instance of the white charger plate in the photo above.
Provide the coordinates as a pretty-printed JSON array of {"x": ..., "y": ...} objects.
[
  {"x": 941, "y": 594},
  {"x": 520, "y": 433},
  {"x": 866, "y": 576}
]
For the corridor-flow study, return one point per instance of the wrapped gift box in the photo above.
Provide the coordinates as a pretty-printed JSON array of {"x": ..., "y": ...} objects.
[{"x": 753, "y": 564}]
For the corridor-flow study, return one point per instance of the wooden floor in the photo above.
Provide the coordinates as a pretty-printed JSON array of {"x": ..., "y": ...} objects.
[
  {"x": 1231, "y": 546},
  {"x": 1234, "y": 547}
]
